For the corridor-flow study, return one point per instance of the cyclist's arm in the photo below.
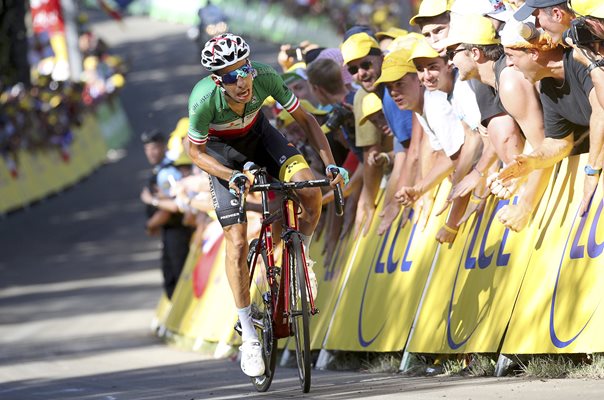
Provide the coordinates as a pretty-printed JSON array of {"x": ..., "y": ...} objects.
[
  {"x": 315, "y": 135},
  {"x": 206, "y": 162}
]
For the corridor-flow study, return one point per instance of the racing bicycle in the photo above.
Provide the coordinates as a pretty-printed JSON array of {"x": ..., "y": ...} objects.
[{"x": 281, "y": 306}]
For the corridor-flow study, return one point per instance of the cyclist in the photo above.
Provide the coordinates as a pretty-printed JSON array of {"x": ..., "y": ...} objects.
[{"x": 226, "y": 129}]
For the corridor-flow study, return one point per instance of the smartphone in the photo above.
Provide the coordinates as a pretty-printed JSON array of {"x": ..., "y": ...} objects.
[{"x": 295, "y": 53}]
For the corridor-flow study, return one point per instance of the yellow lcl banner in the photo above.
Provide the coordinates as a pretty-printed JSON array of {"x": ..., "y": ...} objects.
[
  {"x": 558, "y": 309},
  {"x": 387, "y": 277}
]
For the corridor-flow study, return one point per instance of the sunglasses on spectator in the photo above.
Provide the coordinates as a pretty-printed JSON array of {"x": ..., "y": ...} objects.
[
  {"x": 353, "y": 69},
  {"x": 451, "y": 53},
  {"x": 230, "y": 78}
]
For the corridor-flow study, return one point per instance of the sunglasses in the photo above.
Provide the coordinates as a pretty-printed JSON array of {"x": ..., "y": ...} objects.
[
  {"x": 230, "y": 78},
  {"x": 353, "y": 69},
  {"x": 451, "y": 53}
]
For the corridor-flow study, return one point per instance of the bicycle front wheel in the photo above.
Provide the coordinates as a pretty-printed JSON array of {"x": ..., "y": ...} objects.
[
  {"x": 262, "y": 316},
  {"x": 300, "y": 312}
]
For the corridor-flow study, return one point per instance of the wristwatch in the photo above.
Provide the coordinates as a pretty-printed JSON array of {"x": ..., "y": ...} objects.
[
  {"x": 592, "y": 171},
  {"x": 595, "y": 64}
]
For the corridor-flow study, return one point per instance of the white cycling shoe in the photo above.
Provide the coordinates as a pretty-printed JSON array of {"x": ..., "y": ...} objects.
[{"x": 252, "y": 363}]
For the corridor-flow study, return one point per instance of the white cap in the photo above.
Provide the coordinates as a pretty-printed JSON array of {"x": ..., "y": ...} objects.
[{"x": 496, "y": 9}]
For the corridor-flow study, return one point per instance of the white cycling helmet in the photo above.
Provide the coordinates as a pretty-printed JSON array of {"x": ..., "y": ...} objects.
[{"x": 223, "y": 50}]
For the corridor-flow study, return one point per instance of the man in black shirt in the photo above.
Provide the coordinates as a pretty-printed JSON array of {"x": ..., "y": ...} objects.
[
  {"x": 475, "y": 50},
  {"x": 573, "y": 117}
]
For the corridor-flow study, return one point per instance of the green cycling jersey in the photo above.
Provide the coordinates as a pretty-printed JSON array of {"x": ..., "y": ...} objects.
[{"x": 210, "y": 115}]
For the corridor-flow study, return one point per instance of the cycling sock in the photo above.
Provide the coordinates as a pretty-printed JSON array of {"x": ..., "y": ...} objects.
[
  {"x": 248, "y": 332},
  {"x": 306, "y": 242}
]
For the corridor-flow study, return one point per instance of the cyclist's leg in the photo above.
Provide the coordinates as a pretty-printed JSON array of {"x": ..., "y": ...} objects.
[
  {"x": 235, "y": 234},
  {"x": 310, "y": 201}
]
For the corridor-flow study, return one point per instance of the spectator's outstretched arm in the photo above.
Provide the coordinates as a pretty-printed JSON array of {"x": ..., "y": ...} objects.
[
  {"x": 391, "y": 206},
  {"x": 547, "y": 155},
  {"x": 442, "y": 167},
  {"x": 372, "y": 175},
  {"x": 596, "y": 149}
]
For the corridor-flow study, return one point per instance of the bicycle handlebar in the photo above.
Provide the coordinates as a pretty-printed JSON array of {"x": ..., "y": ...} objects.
[
  {"x": 338, "y": 195},
  {"x": 284, "y": 186}
]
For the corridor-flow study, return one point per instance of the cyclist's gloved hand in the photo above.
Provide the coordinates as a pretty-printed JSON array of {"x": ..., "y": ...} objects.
[
  {"x": 237, "y": 179},
  {"x": 341, "y": 171}
]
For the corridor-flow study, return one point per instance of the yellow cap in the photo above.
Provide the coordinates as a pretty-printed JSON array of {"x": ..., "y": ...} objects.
[
  {"x": 431, "y": 8},
  {"x": 391, "y": 33},
  {"x": 423, "y": 49},
  {"x": 269, "y": 102},
  {"x": 395, "y": 66},
  {"x": 177, "y": 135},
  {"x": 294, "y": 73},
  {"x": 55, "y": 101},
  {"x": 405, "y": 42},
  {"x": 593, "y": 8},
  {"x": 371, "y": 104},
  {"x": 307, "y": 105},
  {"x": 472, "y": 29},
  {"x": 91, "y": 62},
  {"x": 118, "y": 80},
  {"x": 183, "y": 159},
  {"x": 358, "y": 46}
]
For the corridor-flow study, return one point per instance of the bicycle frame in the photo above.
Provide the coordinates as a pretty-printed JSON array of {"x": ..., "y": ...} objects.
[{"x": 280, "y": 303}]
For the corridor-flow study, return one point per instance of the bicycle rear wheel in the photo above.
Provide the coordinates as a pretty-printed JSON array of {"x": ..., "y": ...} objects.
[
  {"x": 300, "y": 312},
  {"x": 262, "y": 316}
]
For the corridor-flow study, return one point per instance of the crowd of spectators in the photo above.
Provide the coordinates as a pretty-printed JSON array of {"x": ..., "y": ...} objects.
[
  {"x": 40, "y": 113},
  {"x": 467, "y": 98},
  {"x": 381, "y": 14}
]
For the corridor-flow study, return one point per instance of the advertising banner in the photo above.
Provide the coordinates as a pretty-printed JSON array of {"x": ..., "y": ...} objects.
[
  {"x": 386, "y": 282},
  {"x": 558, "y": 309},
  {"x": 47, "y": 16},
  {"x": 193, "y": 280}
]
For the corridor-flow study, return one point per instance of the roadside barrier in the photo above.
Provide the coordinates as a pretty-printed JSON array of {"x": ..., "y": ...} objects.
[
  {"x": 492, "y": 291},
  {"x": 40, "y": 173},
  {"x": 265, "y": 21}
]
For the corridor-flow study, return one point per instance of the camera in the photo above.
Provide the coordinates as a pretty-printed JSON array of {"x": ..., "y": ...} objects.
[
  {"x": 580, "y": 34},
  {"x": 296, "y": 53},
  {"x": 339, "y": 116}
]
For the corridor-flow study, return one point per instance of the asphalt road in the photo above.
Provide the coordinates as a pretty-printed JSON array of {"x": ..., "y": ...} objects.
[{"x": 79, "y": 279}]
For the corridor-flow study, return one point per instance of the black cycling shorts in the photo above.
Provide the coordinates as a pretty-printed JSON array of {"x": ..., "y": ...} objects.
[{"x": 266, "y": 147}]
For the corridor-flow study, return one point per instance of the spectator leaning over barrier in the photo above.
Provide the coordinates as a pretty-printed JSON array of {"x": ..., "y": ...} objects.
[
  {"x": 503, "y": 132},
  {"x": 363, "y": 57},
  {"x": 175, "y": 236},
  {"x": 554, "y": 16},
  {"x": 433, "y": 18},
  {"x": 434, "y": 22},
  {"x": 572, "y": 112},
  {"x": 386, "y": 37},
  {"x": 475, "y": 49},
  {"x": 440, "y": 78},
  {"x": 590, "y": 52},
  {"x": 436, "y": 116}
]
